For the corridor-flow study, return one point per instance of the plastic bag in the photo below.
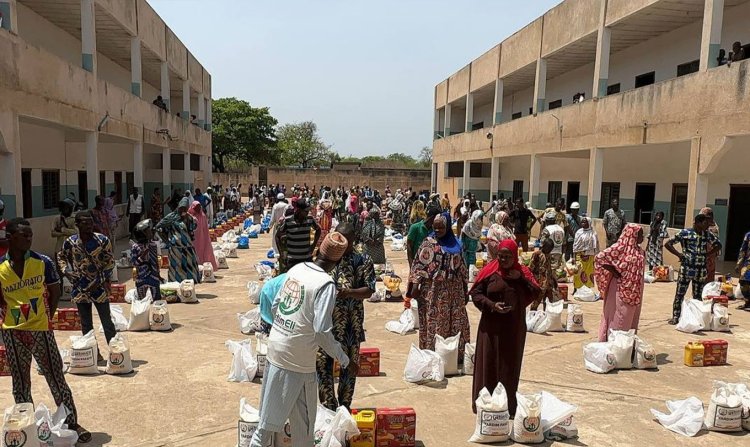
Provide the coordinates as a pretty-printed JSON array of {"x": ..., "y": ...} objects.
[
  {"x": 622, "y": 344},
  {"x": 131, "y": 295},
  {"x": 725, "y": 408},
  {"x": 685, "y": 417},
  {"x": 414, "y": 306},
  {"x": 333, "y": 427},
  {"x": 585, "y": 294},
  {"x": 83, "y": 354},
  {"x": 447, "y": 349},
  {"x": 537, "y": 322},
  {"x": 566, "y": 429},
  {"x": 253, "y": 292},
  {"x": 473, "y": 272},
  {"x": 171, "y": 292},
  {"x": 118, "y": 361},
  {"x": 398, "y": 245},
  {"x": 244, "y": 365},
  {"x": 405, "y": 324},
  {"x": 118, "y": 318},
  {"x": 744, "y": 392},
  {"x": 249, "y": 321},
  {"x": 19, "y": 425},
  {"x": 691, "y": 317},
  {"x": 554, "y": 315},
  {"x": 230, "y": 236},
  {"x": 738, "y": 292},
  {"x": 645, "y": 355},
  {"x": 51, "y": 429},
  {"x": 720, "y": 319},
  {"x": 264, "y": 271},
  {"x": 649, "y": 279},
  {"x": 187, "y": 291},
  {"x": 527, "y": 425},
  {"x": 598, "y": 357},
  {"x": 208, "y": 273},
  {"x": 230, "y": 250},
  {"x": 139, "y": 318},
  {"x": 261, "y": 352},
  {"x": 422, "y": 365},
  {"x": 711, "y": 289},
  {"x": 247, "y": 424},
  {"x": 159, "y": 320},
  {"x": 554, "y": 411},
  {"x": 492, "y": 420},
  {"x": 221, "y": 260},
  {"x": 469, "y": 353}
]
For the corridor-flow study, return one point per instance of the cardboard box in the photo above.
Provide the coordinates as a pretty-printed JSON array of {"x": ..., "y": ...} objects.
[
  {"x": 396, "y": 427},
  {"x": 369, "y": 362},
  {"x": 118, "y": 293},
  {"x": 722, "y": 300},
  {"x": 715, "y": 352},
  {"x": 562, "y": 290},
  {"x": 4, "y": 367},
  {"x": 66, "y": 319}
]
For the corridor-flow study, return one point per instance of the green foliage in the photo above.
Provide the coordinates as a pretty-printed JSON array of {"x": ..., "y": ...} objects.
[
  {"x": 242, "y": 134},
  {"x": 300, "y": 145}
]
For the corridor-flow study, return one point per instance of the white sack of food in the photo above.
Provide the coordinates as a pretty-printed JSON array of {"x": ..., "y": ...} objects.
[
  {"x": 131, "y": 295},
  {"x": 492, "y": 419},
  {"x": 261, "y": 352},
  {"x": 554, "y": 411},
  {"x": 537, "y": 322},
  {"x": 221, "y": 260},
  {"x": 249, "y": 321},
  {"x": 119, "y": 361},
  {"x": 139, "y": 314},
  {"x": 566, "y": 429},
  {"x": 207, "y": 275},
  {"x": 527, "y": 425},
  {"x": 398, "y": 245},
  {"x": 744, "y": 392},
  {"x": 422, "y": 365},
  {"x": 414, "y": 307},
  {"x": 247, "y": 424},
  {"x": 253, "y": 292},
  {"x": 685, "y": 417},
  {"x": 622, "y": 344},
  {"x": 645, "y": 355},
  {"x": 447, "y": 349},
  {"x": 725, "y": 408},
  {"x": 244, "y": 365},
  {"x": 159, "y": 320},
  {"x": 230, "y": 249},
  {"x": 575, "y": 318},
  {"x": 598, "y": 357},
  {"x": 720, "y": 319},
  {"x": 19, "y": 425},
  {"x": 51, "y": 429},
  {"x": 691, "y": 317},
  {"x": 172, "y": 291},
  {"x": 469, "y": 353},
  {"x": 186, "y": 291},
  {"x": 554, "y": 315},
  {"x": 404, "y": 325},
  {"x": 83, "y": 354},
  {"x": 711, "y": 289},
  {"x": 332, "y": 428},
  {"x": 118, "y": 318},
  {"x": 585, "y": 294}
]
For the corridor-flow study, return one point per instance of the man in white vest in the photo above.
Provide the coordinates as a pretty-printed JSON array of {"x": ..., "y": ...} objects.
[{"x": 302, "y": 322}]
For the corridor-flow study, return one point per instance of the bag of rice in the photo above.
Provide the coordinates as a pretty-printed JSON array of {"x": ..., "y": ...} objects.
[
  {"x": 230, "y": 249},
  {"x": 83, "y": 354},
  {"x": 691, "y": 317},
  {"x": 19, "y": 425},
  {"x": 247, "y": 424},
  {"x": 744, "y": 393},
  {"x": 249, "y": 321},
  {"x": 186, "y": 292},
  {"x": 208, "y": 273},
  {"x": 261, "y": 352},
  {"x": 244, "y": 365},
  {"x": 159, "y": 320},
  {"x": 575, "y": 318},
  {"x": 645, "y": 355},
  {"x": 555, "y": 412},
  {"x": 221, "y": 260},
  {"x": 554, "y": 315},
  {"x": 492, "y": 420},
  {"x": 598, "y": 357},
  {"x": 170, "y": 292},
  {"x": 537, "y": 322},
  {"x": 622, "y": 344},
  {"x": 139, "y": 319},
  {"x": 469, "y": 352},
  {"x": 422, "y": 365},
  {"x": 720, "y": 320},
  {"x": 527, "y": 425},
  {"x": 253, "y": 292},
  {"x": 725, "y": 409},
  {"x": 447, "y": 349},
  {"x": 119, "y": 361}
]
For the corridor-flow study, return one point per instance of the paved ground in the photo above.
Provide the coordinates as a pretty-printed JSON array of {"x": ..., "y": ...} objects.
[{"x": 179, "y": 396}]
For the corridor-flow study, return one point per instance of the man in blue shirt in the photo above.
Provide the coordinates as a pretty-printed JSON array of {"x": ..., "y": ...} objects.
[{"x": 267, "y": 294}]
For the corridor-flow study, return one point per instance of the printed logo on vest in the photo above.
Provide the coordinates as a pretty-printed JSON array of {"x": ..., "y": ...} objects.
[{"x": 293, "y": 297}]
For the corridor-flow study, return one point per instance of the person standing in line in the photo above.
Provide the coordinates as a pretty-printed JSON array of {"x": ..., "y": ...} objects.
[
  {"x": 210, "y": 207},
  {"x": 354, "y": 277},
  {"x": 114, "y": 219},
  {"x": 541, "y": 267},
  {"x": 471, "y": 233},
  {"x": 30, "y": 294},
  {"x": 713, "y": 228},
  {"x": 585, "y": 247},
  {"x": 176, "y": 230},
  {"x": 296, "y": 229},
  {"x": 201, "y": 198},
  {"x": 558, "y": 218},
  {"x": 743, "y": 271},
  {"x": 697, "y": 245},
  {"x": 87, "y": 261},
  {"x": 201, "y": 240},
  {"x": 135, "y": 209},
  {"x": 619, "y": 275},
  {"x": 655, "y": 249},
  {"x": 373, "y": 236},
  {"x": 573, "y": 221},
  {"x": 267, "y": 294},
  {"x": 64, "y": 224},
  {"x": 418, "y": 233},
  {"x": 614, "y": 222},
  {"x": 554, "y": 231},
  {"x": 99, "y": 214},
  {"x": 523, "y": 221},
  {"x": 277, "y": 216},
  {"x": 324, "y": 217},
  {"x": 417, "y": 212},
  {"x": 143, "y": 256},
  {"x": 397, "y": 208},
  {"x": 157, "y": 206},
  {"x": 302, "y": 312}
]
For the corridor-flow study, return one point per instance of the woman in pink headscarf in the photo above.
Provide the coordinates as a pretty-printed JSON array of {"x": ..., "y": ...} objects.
[{"x": 201, "y": 241}]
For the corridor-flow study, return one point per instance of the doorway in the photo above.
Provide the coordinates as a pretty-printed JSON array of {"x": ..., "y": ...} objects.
[
  {"x": 737, "y": 220},
  {"x": 645, "y": 194},
  {"x": 574, "y": 193},
  {"x": 83, "y": 189},
  {"x": 28, "y": 208}
]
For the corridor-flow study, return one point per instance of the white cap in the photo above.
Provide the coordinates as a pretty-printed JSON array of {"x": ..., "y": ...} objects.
[
  {"x": 280, "y": 196},
  {"x": 575, "y": 206}
]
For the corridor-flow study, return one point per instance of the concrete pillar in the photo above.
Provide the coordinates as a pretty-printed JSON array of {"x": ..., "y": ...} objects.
[
  {"x": 467, "y": 177},
  {"x": 135, "y": 66},
  {"x": 596, "y": 169},
  {"x": 534, "y": 174},
  {"x": 166, "y": 92},
  {"x": 185, "y": 100},
  {"x": 498, "y": 107},
  {"x": 601, "y": 65},
  {"x": 697, "y": 196},
  {"x": 10, "y": 166},
  {"x": 713, "y": 17},
  {"x": 209, "y": 113},
  {"x": 92, "y": 166},
  {"x": 166, "y": 172},
  {"x": 495, "y": 176},
  {"x": 540, "y": 85},
  {"x": 469, "y": 112},
  {"x": 201, "y": 111},
  {"x": 436, "y": 125},
  {"x": 207, "y": 171},
  {"x": 8, "y": 14},
  {"x": 447, "y": 123},
  {"x": 138, "y": 165},
  {"x": 88, "y": 36}
]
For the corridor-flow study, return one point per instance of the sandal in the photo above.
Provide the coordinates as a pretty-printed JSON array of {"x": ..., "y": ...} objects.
[
  {"x": 673, "y": 321},
  {"x": 83, "y": 435}
]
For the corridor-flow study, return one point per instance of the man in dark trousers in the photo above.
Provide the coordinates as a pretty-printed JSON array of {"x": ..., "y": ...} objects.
[{"x": 135, "y": 210}]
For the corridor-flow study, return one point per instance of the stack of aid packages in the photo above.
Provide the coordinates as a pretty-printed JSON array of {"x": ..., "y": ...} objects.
[
  {"x": 66, "y": 319},
  {"x": 24, "y": 426},
  {"x": 622, "y": 350}
]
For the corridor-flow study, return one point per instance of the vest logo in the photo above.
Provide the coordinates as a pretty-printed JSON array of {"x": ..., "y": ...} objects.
[
  {"x": 293, "y": 297},
  {"x": 15, "y": 438}
]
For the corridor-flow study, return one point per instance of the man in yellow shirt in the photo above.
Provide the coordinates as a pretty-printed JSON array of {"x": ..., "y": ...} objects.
[{"x": 29, "y": 294}]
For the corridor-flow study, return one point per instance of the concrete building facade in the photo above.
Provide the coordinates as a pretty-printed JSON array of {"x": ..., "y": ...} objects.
[
  {"x": 77, "y": 81},
  {"x": 663, "y": 126}
]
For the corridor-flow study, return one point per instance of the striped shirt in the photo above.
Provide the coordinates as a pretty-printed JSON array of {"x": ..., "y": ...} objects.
[{"x": 298, "y": 242}]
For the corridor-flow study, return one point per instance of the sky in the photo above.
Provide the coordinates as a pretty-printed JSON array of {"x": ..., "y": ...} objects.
[{"x": 363, "y": 71}]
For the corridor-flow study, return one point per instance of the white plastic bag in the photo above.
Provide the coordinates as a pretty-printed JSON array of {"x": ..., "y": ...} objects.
[
  {"x": 575, "y": 318},
  {"x": 244, "y": 365},
  {"x": 139, "y": 314},
  {"x": 447, "y": 349},
  {"x": 131, "y": 296},
  {"x": 83, "y": 354},
  {"x": 585, "y": 294},
  {"x": 230, "y": 236},
  {"x": 172, "y": 291},
  {"x": 19, "y": 426},
  {"x": 51, "y": 429},
  {"x": 159, "y": 320},
  {"x": 247, "y": 424},
  {"x": 492, "y": 420},
  {"x": 414, "y": 306},
  {"x": 598, "y": 357},
  {"x": 554, "y": 315},
  {"x": 691, "y": 317},
  {"x": 622, "y": 344},
  {"x": 711, "y": 289},
  {"x": 333, "y": 427},
  {"x": 645, "y": 355},
  {"x": 404, "y": 325},
  {"x": 398, "y": 245},
  {"x": 186, "y": 291},
  {"x": 744, "y": 392},
  {"x": 264, "y": 271},
  {"x": 537, "y": 322},
  {"x": 221, "y": 260},
  {"x": 469, "y": 353},
  {"x": 685, "y": 417},
  {"x": 527, "y": 425},
  {"x": 566, "y": 429},
  {"x": 261, "y": 352},
  {"x": 229, "y": 249},
  {"x": 422, "y": 365},
  {"x": 555, "y": 411},
  {"x": 249, "y": 321},
  {"x": 738, "y": 292},
  {"x": 118, "y": 318},
  {"x": 473, "y": 272},
  {"x": 725, "y": 409},
  {"x": 720, "y": 319},
  {"x": 119, "y": 361},
  {"x": 208, "y": 273},
  {"x": 253, "y": 292}
]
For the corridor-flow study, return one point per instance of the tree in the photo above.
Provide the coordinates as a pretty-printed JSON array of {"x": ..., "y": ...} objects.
[
  {"x": 300, "y": 145},
  {"x": 242, "y": 133},
  {"x": 425, "y": 156}
]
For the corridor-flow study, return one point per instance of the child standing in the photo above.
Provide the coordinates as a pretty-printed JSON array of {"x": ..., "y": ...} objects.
[
  {"x": 143, "y": 256},
  {"x": 541, "y": 267}
]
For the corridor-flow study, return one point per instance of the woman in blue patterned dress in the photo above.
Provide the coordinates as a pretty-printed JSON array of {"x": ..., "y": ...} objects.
[{"x": 176, "y": 230}]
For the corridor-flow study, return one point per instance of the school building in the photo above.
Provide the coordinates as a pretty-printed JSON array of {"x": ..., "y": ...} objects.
[
  {"x": 77, "y": 82},
  {"x": 603, "y": 99}
]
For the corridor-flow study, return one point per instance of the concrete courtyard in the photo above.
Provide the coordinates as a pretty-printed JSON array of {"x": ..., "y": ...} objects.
[{"x": 179, "y": 396}]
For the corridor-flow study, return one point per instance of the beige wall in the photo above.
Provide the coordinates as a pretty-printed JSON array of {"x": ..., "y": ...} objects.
[
  {"x": 484, "y": 69},
  {"x": 569, "y": 21},
  {"x": 151, "y": 29},
  {"x": 522, "y": 48},
  {"x": 458, "y": 84},
  {"x": 620, "y": 9},
  {"x": 124, "y": 11},
  {"x": 176, "y": 54},
  {"x": 196, "y": 76},
  {"x": 441, "y": 93}
]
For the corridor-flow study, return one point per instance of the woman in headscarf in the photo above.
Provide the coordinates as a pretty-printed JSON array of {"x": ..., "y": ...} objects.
[
  {"x": 501, "y": 292},
  {"x": 711, "y": 259},
  {"x": 418, "y": 213},
  {"x": 398, "y": 224},
  {"x": 439, "y": 282},
  {"x": 324, "y": 216},
  {"x": 176, "y": 230},
  {"x": 202, "y": 241},
  {"x": 655, "y": 248},
  {"x": 619, "y": 274},
  {"x": 470, "y": 235},
  {"x": 373, "y": 235},
  {"x": 585, "y": 247}
]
